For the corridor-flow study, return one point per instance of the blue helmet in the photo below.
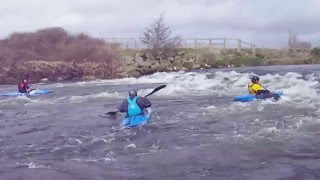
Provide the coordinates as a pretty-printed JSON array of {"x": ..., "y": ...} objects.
[
  {"x": 133, "y": 93},
  {"x": 255, "y": 79}
]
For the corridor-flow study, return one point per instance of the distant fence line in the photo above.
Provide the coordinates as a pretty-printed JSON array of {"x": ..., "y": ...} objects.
[{"x": 226, "y": 43}]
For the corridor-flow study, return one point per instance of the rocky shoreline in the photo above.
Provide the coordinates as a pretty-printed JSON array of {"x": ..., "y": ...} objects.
[
  {"x": 136, "y": 63},
  {"x": 57, "y": 71}
]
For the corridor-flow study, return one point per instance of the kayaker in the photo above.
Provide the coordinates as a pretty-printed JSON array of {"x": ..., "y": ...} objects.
[
  {"x": 23, "y": 86},
  {"x": 255, "y": 88},
  {"x": 134, "y": 105}
]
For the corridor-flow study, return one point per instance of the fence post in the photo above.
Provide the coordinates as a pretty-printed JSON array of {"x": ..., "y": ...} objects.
[
  {"x": 225, "y": 43},
  {"x": 253, "y": 49},
  {"x": 239, "y": 44},
  {"x": 195, "y": 43},
  {"x": 210, "y": 43}
]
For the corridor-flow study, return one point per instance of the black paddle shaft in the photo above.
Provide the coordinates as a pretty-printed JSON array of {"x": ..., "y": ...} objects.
[{"x": 155, "y": 90}]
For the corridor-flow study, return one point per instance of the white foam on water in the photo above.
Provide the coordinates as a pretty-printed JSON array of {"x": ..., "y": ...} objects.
[
  {"x": 231, "y": 83},
  {"x": 210, "y": 107},
  {"x": 79, "y": 99},
  {"x": 33, "y": 165},
  {"x": 294, "y": 85},
  {"x": 15, "y": 100},
  {"x": 92, "y": 160},
  {"x": 298, "y": 89}
]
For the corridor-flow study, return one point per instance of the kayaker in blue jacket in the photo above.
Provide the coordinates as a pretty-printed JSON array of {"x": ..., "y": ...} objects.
[{"x": 135, "y": 105}]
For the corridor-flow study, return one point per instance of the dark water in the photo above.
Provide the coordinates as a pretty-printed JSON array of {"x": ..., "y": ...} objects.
[{"x": 196, "y": 132}]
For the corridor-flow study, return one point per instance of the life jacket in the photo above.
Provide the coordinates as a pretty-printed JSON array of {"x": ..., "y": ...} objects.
[
  {"x": 133, "y": 108},
  {"x": 23, "y": 87},
  {"x": 253, "y": 88}
]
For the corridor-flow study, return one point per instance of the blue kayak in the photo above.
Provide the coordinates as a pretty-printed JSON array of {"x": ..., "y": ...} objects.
[
  {"x": 31, "y": 93},
  {"x": 135, "y": 120},
  {"x": 251, "y": 97}
]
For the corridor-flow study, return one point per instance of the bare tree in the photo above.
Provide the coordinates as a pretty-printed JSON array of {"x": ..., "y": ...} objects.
[
  {"x": 158, "y": 36},
  {"x": 292, "y": 40},
  {"x": 294, "y": 43}
]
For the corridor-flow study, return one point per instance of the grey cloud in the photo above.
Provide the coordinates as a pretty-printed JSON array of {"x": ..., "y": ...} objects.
[{"x": 250, "y": 19}]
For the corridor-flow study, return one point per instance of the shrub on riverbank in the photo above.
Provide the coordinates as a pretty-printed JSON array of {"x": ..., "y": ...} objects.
[
  {"x": 55, "y": 44},
  {"x": 20, "y": 52},
  {"x": 315, "y": 52},
  {"x": 248, "y": 61}
]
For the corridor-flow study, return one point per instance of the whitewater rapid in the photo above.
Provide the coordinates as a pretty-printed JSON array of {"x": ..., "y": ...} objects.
[{"x": 197, "y": 131}]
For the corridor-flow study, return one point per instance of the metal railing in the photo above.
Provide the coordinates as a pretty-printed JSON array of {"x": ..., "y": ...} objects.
[{"x": 225, "y": 43}]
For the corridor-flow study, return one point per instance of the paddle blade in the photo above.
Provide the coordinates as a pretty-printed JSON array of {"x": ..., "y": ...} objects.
[
  {"x": 276, "y": 96},
  {"x": 112, "y": 113},
  {"x": 156, "y": 89}
]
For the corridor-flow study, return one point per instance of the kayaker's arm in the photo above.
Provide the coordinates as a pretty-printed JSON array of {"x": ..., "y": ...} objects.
[
  {"x": 143, "y": 102},
  {"x": 263, "y": 91},
  {"x": 29, "y": 89},
  {"x": 124, "y": 106}
]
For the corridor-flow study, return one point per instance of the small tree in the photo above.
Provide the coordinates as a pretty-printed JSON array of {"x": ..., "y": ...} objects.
[
  {"x": 294, "y": 43},
  {"x": 158, "y": 37}
]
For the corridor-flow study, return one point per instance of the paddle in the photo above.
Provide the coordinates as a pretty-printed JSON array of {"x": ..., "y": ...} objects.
[
  {"x": 112, "y": 113},
  {"x": 274, "y": 95},
  {"x": 29, "y": 91}
]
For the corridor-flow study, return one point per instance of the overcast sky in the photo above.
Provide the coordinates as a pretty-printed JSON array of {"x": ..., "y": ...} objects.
[{"x": 263, "y": 22}]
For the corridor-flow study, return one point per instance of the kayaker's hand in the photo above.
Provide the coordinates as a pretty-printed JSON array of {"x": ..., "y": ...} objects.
[
  {"x": 29, "y": 90},
  {"x": 149, "y": 110}
]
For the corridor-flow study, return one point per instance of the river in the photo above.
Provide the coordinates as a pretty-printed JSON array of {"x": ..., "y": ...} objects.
[{"x": 197, "y": 131}]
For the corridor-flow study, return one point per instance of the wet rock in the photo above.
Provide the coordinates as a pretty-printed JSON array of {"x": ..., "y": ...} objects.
[
  {"x": 146, "y": 70},
  {"x": 188, "y": 65},
  {"x": 128, "y": 60},
  {"x": 159, "y": 68},
  {"x": 134, "y": 73},
  {"x": 196, "y": 66},
  {"x": 139, "y": 60}
]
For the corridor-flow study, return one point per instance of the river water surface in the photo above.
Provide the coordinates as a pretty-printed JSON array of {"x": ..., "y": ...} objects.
[{"x": 196, "y": 131}]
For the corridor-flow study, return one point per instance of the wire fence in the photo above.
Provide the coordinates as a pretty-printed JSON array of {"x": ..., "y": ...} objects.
[{"x": 225, "y": 43}]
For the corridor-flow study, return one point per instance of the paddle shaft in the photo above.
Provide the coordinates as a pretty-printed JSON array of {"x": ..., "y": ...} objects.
[
  {"x": 264, "y": 88},
  {"x": 155, "y": 90}
]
